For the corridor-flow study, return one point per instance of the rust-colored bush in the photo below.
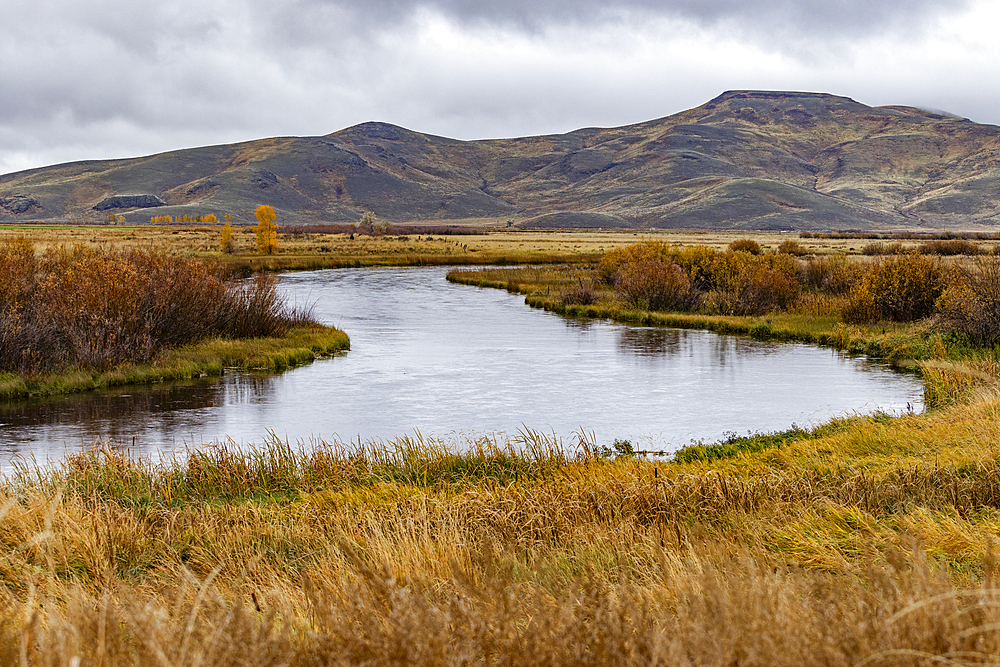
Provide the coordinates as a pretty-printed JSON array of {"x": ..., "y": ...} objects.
[
  {"x": 835, "y": 274},
  {"x": 657, "y": 284},
  {"x": 951, "y": 247},
  {"x": 880, "y": 248},
  {"x": 580, "y": 294},
  {"x": 746, "y": 245},
  {"x": 792, "y": 247},
  {"x": 613, "y": 259},
  {"x": 760, "y": 290},
  {"x": 900, "y": 288},
  {"x": 971, "y": 302},
  {"x": 100, "y": 308},
  {"x": 745, "y": 284}
]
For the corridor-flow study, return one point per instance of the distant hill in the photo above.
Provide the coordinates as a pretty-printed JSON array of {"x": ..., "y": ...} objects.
[{"x": 744, "y": 160}]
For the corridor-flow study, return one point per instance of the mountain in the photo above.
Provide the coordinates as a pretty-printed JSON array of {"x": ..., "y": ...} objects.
[{"x": 744, "y": 160}]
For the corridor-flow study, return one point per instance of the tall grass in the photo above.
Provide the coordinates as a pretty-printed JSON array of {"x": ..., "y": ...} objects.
[
  {"x": 382, "y": 230},
  {"x": 819, "y": 551},
  {"x": 97, "y": 308}
]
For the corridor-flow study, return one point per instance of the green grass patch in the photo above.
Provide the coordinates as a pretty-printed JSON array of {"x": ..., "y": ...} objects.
[
  {"x": 208, "y": 357},
  {"x": 735, "y": 445}
]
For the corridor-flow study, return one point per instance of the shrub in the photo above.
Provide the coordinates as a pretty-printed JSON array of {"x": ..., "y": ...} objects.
[
  {"x": 900, "y": 288},
  {"x": 834, "y": 274},
  {"x": 792, "y": 247},
  {"x": 580, "y": 294},
  {"x": 657, "y": 284},
  {"x": 760, "y": 290},
  {"x": 971, "y": 303},
  {"x": 699, "y": 263},
  {"x": 745, "y": 284},
  {"x": 100, "y": 308},
  {"x": 951, "y": 247},
  {"x": 746, "y": 245},
  {"x": 879, "y": 248},
  {"x": 613, "y": 259}
]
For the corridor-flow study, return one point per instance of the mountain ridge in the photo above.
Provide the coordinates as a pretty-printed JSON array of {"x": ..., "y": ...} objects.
[{"x": 742, "y": 160}]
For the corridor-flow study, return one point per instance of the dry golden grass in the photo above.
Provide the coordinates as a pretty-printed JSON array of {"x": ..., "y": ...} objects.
[
  {"x": 866, "y": 540},
  {"x": 339, "y": 250}
]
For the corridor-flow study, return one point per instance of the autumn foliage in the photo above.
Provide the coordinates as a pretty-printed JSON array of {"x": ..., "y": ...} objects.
[
  {"x": 266, "y": 230},
  {"x": 899, "y": 288},
  {"x": 97, "y": 308},
  {"x": 659, "y": 276}
]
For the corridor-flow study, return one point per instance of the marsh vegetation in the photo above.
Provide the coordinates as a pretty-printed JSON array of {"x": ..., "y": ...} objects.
[
  {"x": 865, "y": 541},
  {"x": 869, "y": 539},
  {"x": 70, "y": 310}
]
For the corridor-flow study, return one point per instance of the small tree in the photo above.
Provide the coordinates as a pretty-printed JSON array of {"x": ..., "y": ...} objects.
[
  {"x": 226, "y": 238},
  {"x": 367, "y": 223},
  {"x": 266, "y": 230}
]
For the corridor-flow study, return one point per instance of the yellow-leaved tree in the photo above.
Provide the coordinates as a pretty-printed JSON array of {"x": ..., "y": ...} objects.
[
  {"x": 266, "y": 230},
  {"x": 226, "y": 238}
]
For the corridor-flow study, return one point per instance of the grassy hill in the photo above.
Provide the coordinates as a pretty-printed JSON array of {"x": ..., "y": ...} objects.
[{"x": 744, "y": 160}]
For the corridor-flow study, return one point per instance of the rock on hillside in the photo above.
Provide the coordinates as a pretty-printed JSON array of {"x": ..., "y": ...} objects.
[{"x": 744, "y": 160}]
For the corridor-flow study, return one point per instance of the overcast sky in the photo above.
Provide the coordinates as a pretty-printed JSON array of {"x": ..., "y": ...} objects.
[{"x": 82, "y": 79}]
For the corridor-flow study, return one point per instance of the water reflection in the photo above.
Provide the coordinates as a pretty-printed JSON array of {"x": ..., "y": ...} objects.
[
  {"x": 650, "y": 341},
  {"x": 89, "y": 408},
  {"x": 446, "y": 359}
]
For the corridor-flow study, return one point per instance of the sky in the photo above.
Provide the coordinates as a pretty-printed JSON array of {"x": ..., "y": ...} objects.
[{"x": 96, "y": 79}]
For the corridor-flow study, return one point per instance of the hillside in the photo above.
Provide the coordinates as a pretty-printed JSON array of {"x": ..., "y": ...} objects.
[{"x": 744, "y": 160}]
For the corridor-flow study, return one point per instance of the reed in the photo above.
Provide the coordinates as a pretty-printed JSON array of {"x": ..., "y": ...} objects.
[{"x": 867, "y": 539}]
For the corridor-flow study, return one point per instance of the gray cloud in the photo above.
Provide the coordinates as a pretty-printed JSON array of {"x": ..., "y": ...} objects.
[
  {"x": 854, "y": 18},
  {"x": 110, "y": 78}
]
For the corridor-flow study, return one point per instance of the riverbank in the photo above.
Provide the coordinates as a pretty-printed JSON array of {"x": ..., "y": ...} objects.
[
  {"x": 209, "y": 357},
  {"x": 868, "y": 539}
]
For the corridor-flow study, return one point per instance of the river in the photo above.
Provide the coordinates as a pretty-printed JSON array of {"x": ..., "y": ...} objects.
[{"x": 453, "y": 361}]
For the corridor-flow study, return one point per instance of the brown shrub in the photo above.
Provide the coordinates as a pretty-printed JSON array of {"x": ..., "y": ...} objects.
[
  {"x": 580, "y": 294},
  {"x": 100, "y": 308},
  {"x": 879, "y": 248},
  {"x": 746, "y": 245},
  {"x": 901, "y": 288},
  {"x": 613, "y": 259},
  {"x": 657, "y": 284},
  {"x": 835, "y": 274},
  {"x": 745, "y": 284},
  {"x": 762, "y": 290},
  {"x": 951, "y": 247},
  {"x": 971, "y": 303},
  {"x": 792, "y": 247}
]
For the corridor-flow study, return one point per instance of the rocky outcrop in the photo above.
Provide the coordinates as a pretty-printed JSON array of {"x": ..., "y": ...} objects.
[
  {"x": 19, "y": 204},
  {"x": 129, "y": 201}
]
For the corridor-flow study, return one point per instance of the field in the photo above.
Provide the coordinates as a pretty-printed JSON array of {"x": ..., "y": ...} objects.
[
  {"x": 866, "y": 541},
  {"x": 306, "y": 250}
]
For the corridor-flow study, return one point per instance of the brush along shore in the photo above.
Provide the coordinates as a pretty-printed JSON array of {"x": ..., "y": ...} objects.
[{"x": 80, "y": 318}]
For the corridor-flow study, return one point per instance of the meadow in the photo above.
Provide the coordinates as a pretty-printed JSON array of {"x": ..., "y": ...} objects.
[{"x": 869, "y": 540}]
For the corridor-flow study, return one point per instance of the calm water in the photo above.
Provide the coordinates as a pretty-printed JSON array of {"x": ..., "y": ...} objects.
[{"x": 453, "y": 361}]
